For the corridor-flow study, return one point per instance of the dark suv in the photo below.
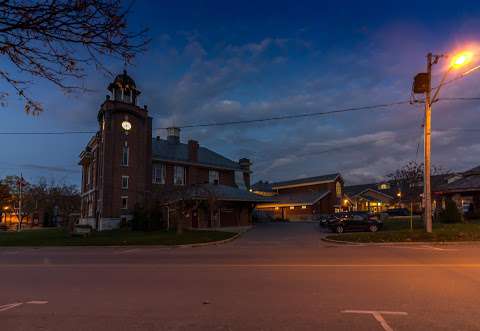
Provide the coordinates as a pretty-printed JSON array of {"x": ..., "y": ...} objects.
[{"x": 355, "y": 222}]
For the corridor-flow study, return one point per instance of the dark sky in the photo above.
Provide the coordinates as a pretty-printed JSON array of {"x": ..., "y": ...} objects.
[{"x": 212, "y": 61}]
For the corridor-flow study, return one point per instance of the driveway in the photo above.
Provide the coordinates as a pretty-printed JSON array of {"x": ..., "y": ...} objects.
[{"x": 276, "y": 277}]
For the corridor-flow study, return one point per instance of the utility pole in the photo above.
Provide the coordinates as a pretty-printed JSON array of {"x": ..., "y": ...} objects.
[
  {"x": 20, "y": 184},
  {"x": 427, "y": 191}
]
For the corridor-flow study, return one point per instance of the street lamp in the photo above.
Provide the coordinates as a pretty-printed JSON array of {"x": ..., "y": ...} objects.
[{"x": 423, "y": 84}]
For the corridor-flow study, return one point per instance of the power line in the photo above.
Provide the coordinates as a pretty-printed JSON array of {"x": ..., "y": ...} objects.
[
  {"x": 284, "y": 117},
  {"x": 258, "y": 120}
]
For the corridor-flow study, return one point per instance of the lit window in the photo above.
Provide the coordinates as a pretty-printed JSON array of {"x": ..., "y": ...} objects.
[
  {"x": 179, "y": 175},
  {"x": 158, "y": 175},
  {"x": 213, "y": 177},
  {"x": 384, "y": 186},
  {"x": 124, "y": 202},
  {"x": 304, "y": 207},
  {"x": 125, "y": 155},
  {"x": 292, "y": 207},
  {"x": 124, "y": 182},
  {"x": 338, "y": 189}
]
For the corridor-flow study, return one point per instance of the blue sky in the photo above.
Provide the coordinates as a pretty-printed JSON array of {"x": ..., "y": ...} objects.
[{"x": 212, "y": 61}]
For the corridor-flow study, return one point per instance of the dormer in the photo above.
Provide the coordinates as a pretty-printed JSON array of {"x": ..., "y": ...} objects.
[{"x": 123, "y": 89}]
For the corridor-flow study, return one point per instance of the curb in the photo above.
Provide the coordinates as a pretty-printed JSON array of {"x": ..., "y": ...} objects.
[
  {"x": 210, "y": 243},
  {"x": 395, "y": 243}
]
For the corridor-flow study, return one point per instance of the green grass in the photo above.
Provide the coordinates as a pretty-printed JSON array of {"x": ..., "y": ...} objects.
[
  {"x": 399, "y": 231},
  {"x": 57, "y": 237}
]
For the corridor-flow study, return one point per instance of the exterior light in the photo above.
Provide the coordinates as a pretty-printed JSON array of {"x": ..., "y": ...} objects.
[
  {"x": 461, "y": 59},
  {"x": 276, "y": 208},
  {"x": 126, "y": 125},
  {"x": 399, "y": 194},
  {"x": 304, "y": 207},
  {"x": 292, "y": 207},
  {"x": 6, "y": 208},
  {"x": 345, "y": 201}
]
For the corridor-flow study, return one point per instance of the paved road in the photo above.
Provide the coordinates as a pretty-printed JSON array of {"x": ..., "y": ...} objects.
[{"x": 276, "y": 277}]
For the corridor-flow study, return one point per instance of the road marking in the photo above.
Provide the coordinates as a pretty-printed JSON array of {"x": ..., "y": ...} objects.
[
  {"x": 10, "y": 306},
  {"x": 378, "y": 316},
  {"x": 17, "y": 304},
  {"x": 423, "y": 247},
  {"x": 133, "y": 250},
  {"x": 35, "y": 302},
  {"x": 246, "y": 265}
]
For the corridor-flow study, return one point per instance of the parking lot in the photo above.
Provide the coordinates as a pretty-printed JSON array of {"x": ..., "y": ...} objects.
[{"x": 276, "y": 277}]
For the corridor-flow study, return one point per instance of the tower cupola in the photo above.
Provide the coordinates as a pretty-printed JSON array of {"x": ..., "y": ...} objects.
[{"x": 123, "y": 89}]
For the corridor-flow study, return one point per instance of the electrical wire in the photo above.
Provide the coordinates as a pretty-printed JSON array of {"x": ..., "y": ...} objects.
[{"x": 285, "y": 117}]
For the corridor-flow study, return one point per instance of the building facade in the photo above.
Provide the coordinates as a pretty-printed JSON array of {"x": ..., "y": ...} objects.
[
  {"x": 301, "y": 199},
  {"x": 123, "y": 167}
]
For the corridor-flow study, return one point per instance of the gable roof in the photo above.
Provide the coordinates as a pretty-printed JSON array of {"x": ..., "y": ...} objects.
[
  {"x": 306, "y": 181},
  {"x": 166, "y": 151},
  {"x": 297, "y": 198},
  {"x": 217, "y": 191}
]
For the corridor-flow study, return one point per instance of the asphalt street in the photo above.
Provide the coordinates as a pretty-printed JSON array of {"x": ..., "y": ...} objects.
[{"x": 275, "y": 277}]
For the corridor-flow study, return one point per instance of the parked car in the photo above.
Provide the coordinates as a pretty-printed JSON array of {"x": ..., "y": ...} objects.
[
  {"x": 398, "y": 212},
  {"x": 355, "y": 224}
]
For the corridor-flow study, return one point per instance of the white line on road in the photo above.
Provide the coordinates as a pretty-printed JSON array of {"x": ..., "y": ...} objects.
[
  {"x": 378, "y": 316},
  {"x": 16, "y": 304},
  {"x": 35, "y": 302},
  {"x": 10, "y": 306}
]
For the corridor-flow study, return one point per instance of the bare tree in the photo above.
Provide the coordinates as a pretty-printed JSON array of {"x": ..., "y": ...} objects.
[
  {"x": 57, "y": 39},
  {"x": 409, "y": 179}
]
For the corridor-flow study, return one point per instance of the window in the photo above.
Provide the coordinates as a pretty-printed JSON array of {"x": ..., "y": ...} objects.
[
  {"x": 158, "y": 175},
  {"x": 384, "y": 186},
  {"x": 124, "y": 182},
  {"x": 338, "y": 189},
  {"x": 124, "y": 202},
  {"x": 125, "y": 155},
  {"x": 213, "y": 177},
  {"x": 179, "y": 175}
]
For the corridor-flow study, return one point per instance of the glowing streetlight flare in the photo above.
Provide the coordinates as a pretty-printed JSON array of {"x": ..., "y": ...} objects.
[{"x": 461, "y": 59}]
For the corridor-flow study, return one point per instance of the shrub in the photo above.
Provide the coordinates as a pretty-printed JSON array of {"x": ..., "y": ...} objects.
[
  {"x": 145, "y": 221},
  {"x": 451, "y": 213},
  {"x": 139, "y": 221}
]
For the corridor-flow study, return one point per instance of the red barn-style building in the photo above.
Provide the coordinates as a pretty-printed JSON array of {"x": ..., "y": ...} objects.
[
  {"x": 301, "y": 199},
  {"x": 124, "y": 167}
]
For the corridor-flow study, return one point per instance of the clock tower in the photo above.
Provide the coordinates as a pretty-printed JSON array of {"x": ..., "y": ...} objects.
[{"x": 124, "y": 154}]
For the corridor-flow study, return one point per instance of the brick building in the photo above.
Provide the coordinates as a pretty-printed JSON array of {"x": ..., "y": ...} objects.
[
  {"x": 301, "y": 199},
  {"x": 124, "y": 167}
]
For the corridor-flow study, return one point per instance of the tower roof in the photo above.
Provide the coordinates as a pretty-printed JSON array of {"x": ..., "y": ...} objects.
[{"x": 124, "y": 81}]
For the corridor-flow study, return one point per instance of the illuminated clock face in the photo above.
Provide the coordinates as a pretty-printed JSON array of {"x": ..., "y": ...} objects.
[{"x": 126, "y": 125}]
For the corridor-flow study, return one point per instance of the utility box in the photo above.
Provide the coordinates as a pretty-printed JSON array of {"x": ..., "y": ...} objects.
[{"x": 420, "y": 83}]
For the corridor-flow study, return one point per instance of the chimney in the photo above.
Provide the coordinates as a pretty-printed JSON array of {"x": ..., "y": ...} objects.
[
  {"x": 173, "y": 135},
  {"x": 193, "y": 150},
  {"x": 245, "y": 166}
]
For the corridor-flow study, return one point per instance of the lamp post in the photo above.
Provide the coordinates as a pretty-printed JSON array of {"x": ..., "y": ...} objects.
[{"x": 423, "y": 84}]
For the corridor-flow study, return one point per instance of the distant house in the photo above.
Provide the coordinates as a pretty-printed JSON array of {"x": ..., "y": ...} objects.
[
  {"x": 463, "y": 189},
  {"x": 123, "y": 167},
  {"x": 301, "y": 199},
  {"x": 380, "y": 196},
  {"x": 374, "y": 197}
]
